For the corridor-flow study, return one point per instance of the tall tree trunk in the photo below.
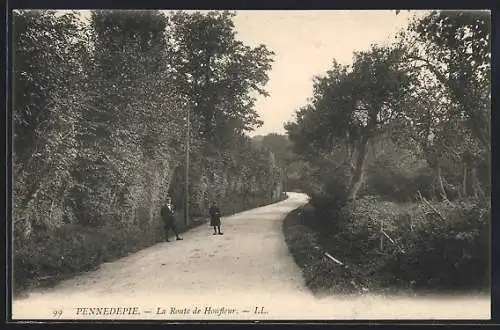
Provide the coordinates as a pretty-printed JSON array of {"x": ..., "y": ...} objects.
[
  {"x": 374, "y": 148},
  {"x": 442, "y": 192},
  {"x": 475, "y": 184},
  {"x": 358, "y": 174},
  {"x": 464, "y": 183},
  {"x": 473, "y": 181},
  {"x": 347, "y": 154},
  {"x": 350, "y": 156}
]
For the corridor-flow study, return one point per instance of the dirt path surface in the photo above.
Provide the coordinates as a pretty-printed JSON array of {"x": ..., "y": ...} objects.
[{"x": 247, "y": 273}]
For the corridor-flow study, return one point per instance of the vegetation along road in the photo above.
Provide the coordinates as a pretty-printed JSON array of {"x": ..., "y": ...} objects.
[{"x": 247, "y": 273}]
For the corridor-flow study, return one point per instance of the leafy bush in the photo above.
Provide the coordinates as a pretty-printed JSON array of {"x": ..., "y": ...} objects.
[
  {"x": 331, "y": 193},
  {"x": 438, "y": 246},
  {"x": 444, "y": 247},
  {"x": 452, "y": 253},
  {"x": 398, "y": 175}
]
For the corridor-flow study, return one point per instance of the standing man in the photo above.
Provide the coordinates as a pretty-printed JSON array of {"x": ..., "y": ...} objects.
[
  {"x": 215, "y": 218},
  {"x": 167, "y": 214}
]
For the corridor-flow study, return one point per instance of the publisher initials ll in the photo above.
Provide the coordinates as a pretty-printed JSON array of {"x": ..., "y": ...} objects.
[{"x": 260, "y": 310}]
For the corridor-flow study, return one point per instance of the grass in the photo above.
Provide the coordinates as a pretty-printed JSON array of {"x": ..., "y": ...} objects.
[
  {"x": 72, "y": 249},
  {"x": 321, "y": 274}
]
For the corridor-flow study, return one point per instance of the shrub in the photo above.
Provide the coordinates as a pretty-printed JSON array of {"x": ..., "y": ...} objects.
[
  {"x": 445, "y": 248},
  {"x": 451, "y": 254},
  {"x": 393, "y": 178},
  {"x": 332, "y": 194}
]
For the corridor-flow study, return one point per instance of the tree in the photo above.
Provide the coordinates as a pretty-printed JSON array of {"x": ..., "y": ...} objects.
[
  {"x": 133, "y": 117},
  {"x": 458, "y": 51},
  {"x": 352, "y": 105},
  {"x": 381, "y": 84},
  {"x": 278, "y": 144},
  {"x": 451, "y": 51},
  {"x": 48, "y": 79},
  {"x": 218, "y": 75},
  {"x": 139, "y": 99}
]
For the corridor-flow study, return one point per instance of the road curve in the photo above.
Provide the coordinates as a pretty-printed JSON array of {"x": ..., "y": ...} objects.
[{"x": 246, "y": 274}]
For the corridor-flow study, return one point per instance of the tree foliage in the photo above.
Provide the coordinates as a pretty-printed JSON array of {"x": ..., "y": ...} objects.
[
  {"x": 429, "y": 92},
  {"x": 403, "y": 134},
  {"x": 100, "y": 118},
  {"x": 218, "y": 74},
  {"x": 451, "y": 53},
  {"x": 47, "y": 81},
  {"x": 276, "y": 143},
  {"x": 457, "y": 50},
  {"x": 351, "y": 105}
]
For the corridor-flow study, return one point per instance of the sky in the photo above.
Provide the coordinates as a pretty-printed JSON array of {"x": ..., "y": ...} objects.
[{"x": 305, "y": 42}]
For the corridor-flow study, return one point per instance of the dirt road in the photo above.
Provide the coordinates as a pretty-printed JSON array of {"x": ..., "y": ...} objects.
[{"x": 247, "y": 273}]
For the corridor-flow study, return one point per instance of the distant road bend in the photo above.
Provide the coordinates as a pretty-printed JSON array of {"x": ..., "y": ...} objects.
[{"x": 248, "y": 273}]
